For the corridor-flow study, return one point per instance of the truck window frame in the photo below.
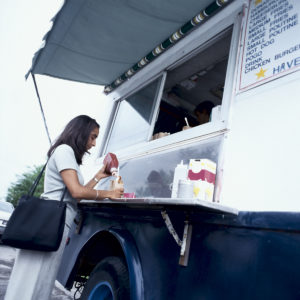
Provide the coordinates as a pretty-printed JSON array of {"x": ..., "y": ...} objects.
[
  {"x": 184, "y": 50},
  {"x": 154, "y": 112}
]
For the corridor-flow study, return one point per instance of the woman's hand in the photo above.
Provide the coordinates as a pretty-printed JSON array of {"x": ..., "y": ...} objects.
[
  {"x": 117, "y": 193},
  {"x": 98, "y": 176},
  {"x": 102, "y": 174}
]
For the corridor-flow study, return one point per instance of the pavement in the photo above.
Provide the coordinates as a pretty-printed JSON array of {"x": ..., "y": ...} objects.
[{"x": 7, "y": 258}]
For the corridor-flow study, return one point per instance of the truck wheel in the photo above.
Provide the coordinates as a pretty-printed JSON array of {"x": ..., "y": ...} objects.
[{"x": 108, "y": 281}]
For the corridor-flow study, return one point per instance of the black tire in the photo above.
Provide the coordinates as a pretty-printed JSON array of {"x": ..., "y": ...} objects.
[{"x": 112, "y": 270}]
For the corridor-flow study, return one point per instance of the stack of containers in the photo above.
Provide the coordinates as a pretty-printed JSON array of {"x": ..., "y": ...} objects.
[{"x": 203, "y": 174}]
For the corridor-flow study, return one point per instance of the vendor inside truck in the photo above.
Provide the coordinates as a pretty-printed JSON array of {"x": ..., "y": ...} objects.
[{"x": 193, "y": 90}]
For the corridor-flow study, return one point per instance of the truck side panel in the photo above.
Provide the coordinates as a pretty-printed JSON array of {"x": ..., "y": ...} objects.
[
  {"x": 252, "y": 256},
  {"x": 262, "y": 148}
]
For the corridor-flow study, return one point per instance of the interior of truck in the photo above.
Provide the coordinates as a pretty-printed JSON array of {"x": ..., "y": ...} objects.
[{"x": 199, "y": 79}]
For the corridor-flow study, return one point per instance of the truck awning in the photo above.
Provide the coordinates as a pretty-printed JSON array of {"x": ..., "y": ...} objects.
[{"x": 96, "y": 41}]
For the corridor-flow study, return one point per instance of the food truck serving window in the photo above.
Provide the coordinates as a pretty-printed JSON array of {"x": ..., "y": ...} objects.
[
  {"x": 133, "y": 118},
  {"x": 188, "y": 94},
  {"x": 193, "y": 91}
]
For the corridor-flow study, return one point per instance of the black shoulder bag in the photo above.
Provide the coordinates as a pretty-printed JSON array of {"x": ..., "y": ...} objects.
[{"x": 36, "y": 223}]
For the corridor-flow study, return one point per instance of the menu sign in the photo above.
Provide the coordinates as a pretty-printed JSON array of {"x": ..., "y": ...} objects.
[{"x": 271, "y": 46}]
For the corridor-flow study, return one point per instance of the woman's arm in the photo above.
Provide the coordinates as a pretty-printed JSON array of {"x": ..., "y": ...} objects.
[
  {"x": 79, "y": 191},
  {"x": 98, "y": 176}
]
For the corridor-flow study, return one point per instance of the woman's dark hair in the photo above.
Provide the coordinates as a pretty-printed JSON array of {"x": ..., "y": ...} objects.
[{"x": 76, "y": 135}]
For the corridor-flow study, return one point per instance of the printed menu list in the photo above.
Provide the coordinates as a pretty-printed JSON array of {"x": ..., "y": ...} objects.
[{"x": 271, "y": 42}]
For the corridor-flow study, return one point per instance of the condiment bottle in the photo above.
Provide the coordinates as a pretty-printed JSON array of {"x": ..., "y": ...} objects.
[
  {"x": 179, "y": 173},
  {"x": 112, "y": 164},
  {"x": 116, "y": 184}
]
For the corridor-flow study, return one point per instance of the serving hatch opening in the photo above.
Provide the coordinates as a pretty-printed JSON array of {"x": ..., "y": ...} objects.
[{"x": 194, "y": 85}]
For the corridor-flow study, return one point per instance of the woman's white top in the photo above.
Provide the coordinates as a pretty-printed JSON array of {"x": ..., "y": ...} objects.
[{"x": 62, "y": 158}]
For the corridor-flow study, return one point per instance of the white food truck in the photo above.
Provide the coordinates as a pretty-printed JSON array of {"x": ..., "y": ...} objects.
[{"x": 158, "y": 61}]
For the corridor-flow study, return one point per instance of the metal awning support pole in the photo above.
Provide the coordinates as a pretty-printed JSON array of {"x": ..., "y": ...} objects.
[
  {"x": 186, "y": 240},
  {"x": 41, "y": 107}
]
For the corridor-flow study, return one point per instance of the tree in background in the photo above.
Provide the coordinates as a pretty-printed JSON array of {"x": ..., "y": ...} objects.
[{"x": 23, "y": 185}]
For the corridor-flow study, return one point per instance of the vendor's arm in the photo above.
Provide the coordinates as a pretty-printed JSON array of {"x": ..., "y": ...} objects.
[{"x": 79, "y": 191}]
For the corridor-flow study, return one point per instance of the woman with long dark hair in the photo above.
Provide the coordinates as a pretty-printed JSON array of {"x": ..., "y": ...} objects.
[{"x": 34, "y": 272}]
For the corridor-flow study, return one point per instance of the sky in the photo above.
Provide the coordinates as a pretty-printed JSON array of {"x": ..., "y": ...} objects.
[{"x": 24, "y": 142}]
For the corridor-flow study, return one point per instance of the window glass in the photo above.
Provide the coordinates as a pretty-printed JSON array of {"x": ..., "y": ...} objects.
[
  {"x": 152, "y": 175},
  {"x": 133, "y": 119}
]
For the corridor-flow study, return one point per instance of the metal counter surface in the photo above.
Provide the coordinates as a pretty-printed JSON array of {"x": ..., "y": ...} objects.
[{"x": 185, "y": 203}]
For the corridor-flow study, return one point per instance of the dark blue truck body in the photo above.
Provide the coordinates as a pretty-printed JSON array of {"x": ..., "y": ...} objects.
[{"x": 252, "y": 255}]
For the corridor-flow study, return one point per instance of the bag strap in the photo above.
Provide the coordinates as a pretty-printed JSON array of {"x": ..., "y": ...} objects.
[
  {"x": 62, "y": 196},
  {"x": 37, "y": 180}
]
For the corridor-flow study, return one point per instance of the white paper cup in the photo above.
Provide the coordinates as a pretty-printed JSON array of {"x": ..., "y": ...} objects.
[{"x": 185, "y": 189}]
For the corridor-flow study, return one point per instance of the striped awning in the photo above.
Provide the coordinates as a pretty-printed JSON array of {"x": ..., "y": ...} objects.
[{"x": 105, "y": 42}]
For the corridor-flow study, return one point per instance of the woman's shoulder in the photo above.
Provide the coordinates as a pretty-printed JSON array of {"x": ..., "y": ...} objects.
[
  {"x": 62, "y": 149},
  {"x": 64, "y": 156}
]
